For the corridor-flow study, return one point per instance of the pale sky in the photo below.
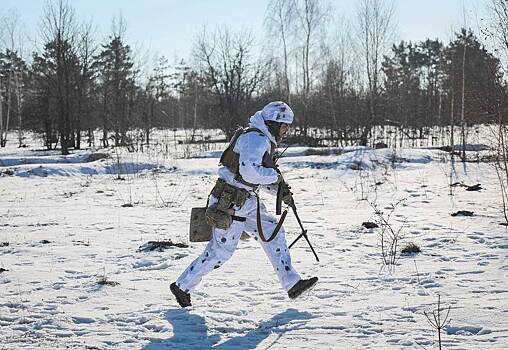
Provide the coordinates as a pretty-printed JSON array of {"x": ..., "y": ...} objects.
[{"x": 167, "y": 27}]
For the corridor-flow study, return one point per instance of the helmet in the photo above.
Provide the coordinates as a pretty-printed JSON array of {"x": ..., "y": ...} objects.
[{"x": 279, "y": 112}]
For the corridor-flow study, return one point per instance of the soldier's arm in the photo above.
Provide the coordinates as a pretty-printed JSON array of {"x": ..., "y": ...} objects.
[{"x": 251, "y": 147}]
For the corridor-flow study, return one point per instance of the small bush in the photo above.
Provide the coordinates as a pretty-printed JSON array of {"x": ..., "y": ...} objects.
[
  {"x": 96, "y": 156},
  {"x": 411, "y": 248},
  {"x": 304, "y": 140},
  {"x": 317, "y": 152}
]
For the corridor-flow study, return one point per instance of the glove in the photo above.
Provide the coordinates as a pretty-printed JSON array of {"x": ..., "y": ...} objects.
[{"x": 287, "y": 195}]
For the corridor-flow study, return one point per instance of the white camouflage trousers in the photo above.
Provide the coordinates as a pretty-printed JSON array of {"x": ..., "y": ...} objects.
[{"x": 224, "y": 242}]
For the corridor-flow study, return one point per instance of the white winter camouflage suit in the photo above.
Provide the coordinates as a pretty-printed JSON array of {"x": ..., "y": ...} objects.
[{"x": 251, "y": 147}]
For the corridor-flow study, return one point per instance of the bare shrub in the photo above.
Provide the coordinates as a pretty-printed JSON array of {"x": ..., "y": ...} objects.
[
  {"x": 389, "y": 235},
  {"x": 436, "y": 319}
]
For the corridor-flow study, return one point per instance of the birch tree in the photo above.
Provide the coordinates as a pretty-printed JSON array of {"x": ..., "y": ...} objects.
[
  {"x": 280, "y": 23},
  {"x": 374, "y": 33},
  {"x": 231, "y": 72},
  {"x": 13, "y": 67},
  {"x": 499, "y": 32},
  {"x": 312, "y": 16}
]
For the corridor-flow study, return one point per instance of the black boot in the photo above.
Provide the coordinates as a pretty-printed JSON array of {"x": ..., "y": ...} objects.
[
  {"x": 301, "y": 286},
  {"x": 182, "y": 297}
]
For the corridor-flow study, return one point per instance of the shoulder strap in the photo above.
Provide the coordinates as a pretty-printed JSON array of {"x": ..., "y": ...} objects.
[
  {"x": 246, "y": 130},
  {"x": 234, "y": 139},
  {"x": 231, "y": 145}
]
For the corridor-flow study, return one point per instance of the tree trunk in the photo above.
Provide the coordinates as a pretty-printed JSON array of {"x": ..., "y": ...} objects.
[
  {"x": 105, "y": 124},
  {"x": 462, "y": 117},
  {"x": 78, "y": 138},
  {"x": 2, "y": 144},
  {"x": 18, "y": 111},
  {"x": 9, "y": 97},
  {"x": 90, "y": 137}
]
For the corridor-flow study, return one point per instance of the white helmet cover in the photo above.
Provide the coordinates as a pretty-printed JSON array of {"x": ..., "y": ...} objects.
[{"x": 279, "y": 112}]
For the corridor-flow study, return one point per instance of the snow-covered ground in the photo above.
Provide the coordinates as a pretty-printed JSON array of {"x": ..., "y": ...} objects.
[{"x": 66, "y": 224}]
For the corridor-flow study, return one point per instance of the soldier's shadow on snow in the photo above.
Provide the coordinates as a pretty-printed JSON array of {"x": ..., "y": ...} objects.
[{"x": 191, "y": 332}]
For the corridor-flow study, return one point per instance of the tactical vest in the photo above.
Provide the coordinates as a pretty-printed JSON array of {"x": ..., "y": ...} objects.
[{"x": 231, "y": 160}]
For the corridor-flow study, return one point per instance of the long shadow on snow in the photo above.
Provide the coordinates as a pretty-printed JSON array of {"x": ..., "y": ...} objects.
[{"x": 190, "y": 332}]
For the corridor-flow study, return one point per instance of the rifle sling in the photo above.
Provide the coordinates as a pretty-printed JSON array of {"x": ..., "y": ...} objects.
[
  {"x": 260, "y": 227},
  {"x": 278, "y": 201}
]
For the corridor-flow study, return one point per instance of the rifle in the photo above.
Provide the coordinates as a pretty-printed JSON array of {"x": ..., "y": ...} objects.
[{"x": 278, "y": 209}]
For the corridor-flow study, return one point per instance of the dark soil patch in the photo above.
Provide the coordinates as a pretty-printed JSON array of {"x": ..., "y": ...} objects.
[
  {"x": 476, "y": 187},
  {"x": 369, "y": 225},
  {"x": 104, "y": 281},
  {"x": 160, "y": 246},
  {"x": 463, "y": 213}
]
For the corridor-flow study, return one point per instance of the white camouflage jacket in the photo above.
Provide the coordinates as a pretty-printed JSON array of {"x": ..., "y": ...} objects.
[{"x": 251, "y": 147}]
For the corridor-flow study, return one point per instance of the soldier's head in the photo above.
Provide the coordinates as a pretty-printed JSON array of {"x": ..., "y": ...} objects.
[{"x": 278, "y": 116}]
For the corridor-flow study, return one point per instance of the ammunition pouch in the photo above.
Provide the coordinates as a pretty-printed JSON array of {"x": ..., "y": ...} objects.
[
  {"x": 222, "y": 214},
  {"x": 229, "y": 196},
  {"x": 218, "y": 218}
]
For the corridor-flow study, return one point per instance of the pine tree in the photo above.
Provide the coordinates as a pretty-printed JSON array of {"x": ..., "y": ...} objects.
[
  {"x": 116, "y": 81},
  {"x": 473, "y": 79},
  {"x": 55, "y": 73}
]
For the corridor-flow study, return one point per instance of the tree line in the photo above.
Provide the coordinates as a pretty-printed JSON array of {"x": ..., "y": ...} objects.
[{"x": 342, "y": 79}]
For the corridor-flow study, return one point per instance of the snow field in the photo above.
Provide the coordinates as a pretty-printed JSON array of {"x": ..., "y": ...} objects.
[{"x": 66, "y": 229}]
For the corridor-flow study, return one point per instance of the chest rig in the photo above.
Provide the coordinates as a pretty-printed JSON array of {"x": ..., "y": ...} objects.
[{"x": 231, "y": 160}]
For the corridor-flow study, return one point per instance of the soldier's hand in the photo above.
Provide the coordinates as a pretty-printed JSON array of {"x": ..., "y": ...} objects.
[{"x": 287, "y": 195}]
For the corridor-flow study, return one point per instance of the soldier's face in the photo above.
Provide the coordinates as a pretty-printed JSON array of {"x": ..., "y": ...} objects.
[{"x": 284, "y": 130}]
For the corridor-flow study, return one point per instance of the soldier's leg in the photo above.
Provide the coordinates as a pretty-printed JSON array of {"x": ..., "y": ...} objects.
[
  {"x": 276, "y": 250},
  {"x": 220, "y": 248}
]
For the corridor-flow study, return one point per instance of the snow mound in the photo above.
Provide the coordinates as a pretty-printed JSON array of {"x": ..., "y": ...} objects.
[
  {"x": 45, "y": 159},
  {"x": 466, "y": 330},
  {"x": 370, "y": 159},
  {"x": 81, "y": 163}
]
